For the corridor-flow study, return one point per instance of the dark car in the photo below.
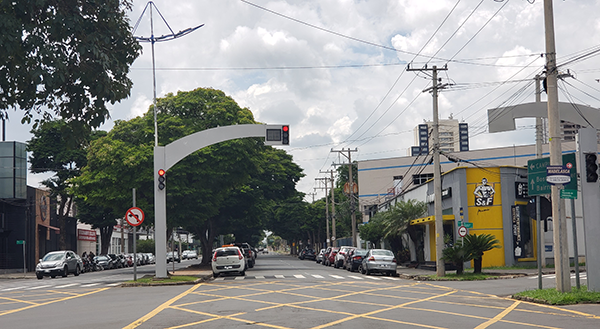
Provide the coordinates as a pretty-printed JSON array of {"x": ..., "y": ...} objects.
[
  {"x": 59, "y": 263},
  {"x": 307, "y": 254},
  {"x": 354, "y": 259},
  {"x": 104, "y": 261},
  {"x": 247, "y": 251}
]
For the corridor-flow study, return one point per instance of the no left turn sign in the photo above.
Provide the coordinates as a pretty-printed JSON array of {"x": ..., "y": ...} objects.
[{"x": 134, "y": 216}]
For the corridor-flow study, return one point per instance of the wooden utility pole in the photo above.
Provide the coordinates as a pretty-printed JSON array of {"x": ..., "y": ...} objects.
[
  {"x": 325, "y": 179},
  {"x": 437, "y": 171},
  {"x": 559, "y": 219},
  {"x": 351, "y": 192}
]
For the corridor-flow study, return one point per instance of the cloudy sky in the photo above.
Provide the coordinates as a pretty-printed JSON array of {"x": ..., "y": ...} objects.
[{"x": 335, "y": 70}]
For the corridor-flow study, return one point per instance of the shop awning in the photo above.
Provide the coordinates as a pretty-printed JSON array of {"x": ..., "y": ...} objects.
[{"x": 430, "y": 219}]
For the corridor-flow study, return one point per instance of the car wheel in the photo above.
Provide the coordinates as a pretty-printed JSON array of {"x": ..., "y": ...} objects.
[
  {"x": 243, "y": 273},
  {"x": 65, "y": 272},
  {"x": 53, "y": 276},
  {"x": 367, "y": 272},
  {"x": 335, "y": 265},
  {"x": 39, "y": 276},
  {"x": 215, "y": 275},
  {"x": 360, "y": 269},
  {"x": 77, "y": 270}
]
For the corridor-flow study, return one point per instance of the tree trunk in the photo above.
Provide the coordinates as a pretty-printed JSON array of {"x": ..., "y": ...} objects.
[
  {"x": 459, "y": 268},
  {"x": 207, "y": 243},
  {"x": 62, "y": 224},
  {"x": 477, "y": 264},
  {"x": 105, "y": 235}
]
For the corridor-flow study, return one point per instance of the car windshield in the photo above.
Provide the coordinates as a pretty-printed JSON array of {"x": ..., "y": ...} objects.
[
  {"x": 53, "y": 256},
  {"x": 101, "y": 257},
  {"x": 227, "y": 252},
  {"x": 360, "y": 252},
  {"x": 382, "y": 253}
]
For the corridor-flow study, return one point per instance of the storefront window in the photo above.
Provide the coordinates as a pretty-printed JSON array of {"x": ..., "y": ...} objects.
[{"x": 522, "y": 230}]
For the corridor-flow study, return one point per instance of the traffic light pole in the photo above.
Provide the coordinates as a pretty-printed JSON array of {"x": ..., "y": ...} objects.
[{"x": 167, "y": 156}]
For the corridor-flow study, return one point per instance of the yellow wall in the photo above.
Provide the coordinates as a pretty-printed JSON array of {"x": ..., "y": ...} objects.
[{"x": 487, "y": 219}]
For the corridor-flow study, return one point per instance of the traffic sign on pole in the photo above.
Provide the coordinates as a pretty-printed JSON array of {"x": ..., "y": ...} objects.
[
  {"x": 135, "y": 216},
  {"x": 462, "y": 231}
]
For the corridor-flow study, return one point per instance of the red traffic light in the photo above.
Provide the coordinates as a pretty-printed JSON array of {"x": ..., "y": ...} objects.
[
  {"x": 161, "y": 172},
  {"x": 285, "y": 128}
]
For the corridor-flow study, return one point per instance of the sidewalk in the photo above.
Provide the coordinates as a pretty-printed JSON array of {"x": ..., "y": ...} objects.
[{"x": 415, "y": 273}]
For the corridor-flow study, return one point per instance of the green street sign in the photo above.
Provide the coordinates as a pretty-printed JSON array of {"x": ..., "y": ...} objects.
[
  {"x": 568, "y": 194},
  {"x": 468, "y": 225},
  {"x": 20, "y": 241},
  {"x": 536, "y": 175}
]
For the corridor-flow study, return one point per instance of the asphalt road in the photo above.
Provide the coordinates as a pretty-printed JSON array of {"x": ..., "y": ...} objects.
[{"x": 281, "y": 292}]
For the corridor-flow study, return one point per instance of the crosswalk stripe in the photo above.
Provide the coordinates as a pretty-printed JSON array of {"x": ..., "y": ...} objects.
[
  {"x": 239, "y": 278},
  {"x": 336, "y": 276},
  {"x": 299, "y": 276},
  {"x": 66, "y": 285},
  {"x": 14, "y": 288},
  {"x": 39, "y": 287},
  {"x": 318, "y": 276},
  {"x": 373, "y": 278},
  {"x": 219, "y": 279},
  {"x": 113, "y": 284},
  {"x": 355, "y": 277},
  {"x": 279, "y": 276},
  {"x": 389, "y": 278},
  {"x": 259, "y": 277},
  {"x": 90, "y": 285}
]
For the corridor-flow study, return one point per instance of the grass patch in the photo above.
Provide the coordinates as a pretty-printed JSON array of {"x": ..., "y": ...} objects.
[
  {"x": 170, "y": 279},
  {"x": 553, "y": 297},
  {"x": 462, "y": 277}
]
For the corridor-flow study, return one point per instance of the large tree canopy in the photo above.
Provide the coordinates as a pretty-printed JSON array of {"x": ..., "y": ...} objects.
[
  {"x": 220, "y": 189},
  {"x": 65, "y": 58}
]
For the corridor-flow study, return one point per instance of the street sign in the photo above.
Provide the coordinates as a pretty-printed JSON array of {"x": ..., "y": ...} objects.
[
  {"x": 536, "y": 173},
  {"x": 558, "y": 175},
  {"x": 332, "y": 238},
  {"x": 568, "y": 194},
  {"x": 20, "y": 241},
  {"x": 468, "y": 225},
  {"x": 462, "y": 231},
  {"x": 134, "y": 216}
]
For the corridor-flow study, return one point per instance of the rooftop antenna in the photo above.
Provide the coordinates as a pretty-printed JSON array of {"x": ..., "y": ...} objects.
[{"x": 153, "y": 39}]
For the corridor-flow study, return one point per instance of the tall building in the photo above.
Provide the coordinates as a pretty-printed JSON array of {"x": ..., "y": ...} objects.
[{"x": 454, "y": 137}]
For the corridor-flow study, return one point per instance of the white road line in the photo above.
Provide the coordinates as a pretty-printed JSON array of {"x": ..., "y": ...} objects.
[
  {"x": 279, "y": 276},
  {"x": 15, "y": 288},
  {"x": 336, "y": 276},
  {"x": 39, "y": 287},
  {"x": 318, "y": 276},
  {"x": 299, "y": 276},
  {"x": 90, "y": 285},
  {"x": 259, "y": 277},
  {"x": 239, "y": 278},
  {"x": 388, "y": 278},
  {"x": 219, "y": 279},
  {"x": 373, "y": 278},
  {"x": 355, "y": 277},
  {"x": 66, "y": 285},
  {"x": 113, "y": 284}
]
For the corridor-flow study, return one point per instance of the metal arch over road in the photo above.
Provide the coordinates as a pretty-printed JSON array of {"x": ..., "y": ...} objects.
[{"x": 167, "y": 156}]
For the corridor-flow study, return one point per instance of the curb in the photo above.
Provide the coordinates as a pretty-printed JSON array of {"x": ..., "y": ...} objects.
[
  {"x": 498, "y": 276},
  {"x": 201, "y": 278}
]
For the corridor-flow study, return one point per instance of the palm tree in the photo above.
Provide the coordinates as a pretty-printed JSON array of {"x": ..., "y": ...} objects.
[
  {"x": 397, "y": 218},
  {"x": 455, "y": 254},
  {"x": 475, "y": 245}
]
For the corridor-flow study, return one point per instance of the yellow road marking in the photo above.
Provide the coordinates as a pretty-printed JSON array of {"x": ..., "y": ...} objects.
[
  {"x": 164, "y": 305},
  {"x": 379, "y": 311},
  {"x": 50, "y": 302},
  {"x": 499, "y": 316},
  {"x": 18, "y": 301}
]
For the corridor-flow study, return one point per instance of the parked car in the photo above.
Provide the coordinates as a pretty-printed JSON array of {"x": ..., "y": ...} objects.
[
  {"x": 307, "y": 254},
  {"x": 354, "y": 259},
  {"x": 104, "y": 261},
  {"x": 228, "y": 260},
  {"x": 247, "y": 251},
  {"x": 151, "y": 258},
  {"x": 173, "y": 255},
  {"x": 339, "y": 257},
  {"x": 59, "y": 263},
  {"x": 319, "y": 257},
  {"x": 329, "y": 256},
  {"x": 189, "y": 254},
  {"x": 379, "y": 260}
]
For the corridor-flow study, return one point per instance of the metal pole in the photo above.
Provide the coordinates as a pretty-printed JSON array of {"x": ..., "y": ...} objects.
[
  {"x": 134, "y": 244},
  {"x": 352, "y": 205},
  {"x": 561, "y": 253},
  {"x": 575, "y": 248},
  {"x": 153, "y": 79},
  {"x": 24, "y": 262},
  {"x": 541, "y": 262},
  {"x": 541, "y": 243},
  {"x": 334, "y": 242}
]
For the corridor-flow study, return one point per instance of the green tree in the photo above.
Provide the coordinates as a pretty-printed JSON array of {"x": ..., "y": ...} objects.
[
  {"x": 65, "y": 58},
  {"x": 145, "y": 246},
  {"x": 55, "y": 148},
  {"x": 397, "y": 218},
  {"x": 100, "y": 217},
  {"x": 476, "y": 245},
  {"x": 456, "y": 254},
  {"x": 374, "y": 230}
]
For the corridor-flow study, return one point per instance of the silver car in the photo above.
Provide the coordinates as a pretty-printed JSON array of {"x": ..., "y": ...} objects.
[
  {"x": 380, "y": 261},
  {"x": 59, "y": 263},
  {"x": 228, "y": 260}
]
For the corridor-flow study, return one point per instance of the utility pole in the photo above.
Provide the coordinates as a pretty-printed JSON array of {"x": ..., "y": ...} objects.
[
  {"x": 351, "y": 192},
  {"x": 333, "y": 237},
  {"x": 538, "y": 153},
  {"x": 326, "y": 209},
  {"x": 437, "y": 171},
  {"x": 559, "y": 219}
]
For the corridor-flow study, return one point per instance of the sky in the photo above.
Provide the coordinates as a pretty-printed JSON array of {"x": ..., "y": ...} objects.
[{"x": 335, "y": 70}]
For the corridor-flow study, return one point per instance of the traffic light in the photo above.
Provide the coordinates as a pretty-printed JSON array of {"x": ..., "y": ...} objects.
[
  {"x": 161, "y": 179},
  {"x": 591, "y": 167},
  {"x": 285, "y": 135}
]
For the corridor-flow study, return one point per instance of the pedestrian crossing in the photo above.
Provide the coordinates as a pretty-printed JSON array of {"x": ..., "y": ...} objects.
[
  {"x": 37, "y": 286},
  {"x": 307, "y": 276},
  {"x": 582, "y": 276}
]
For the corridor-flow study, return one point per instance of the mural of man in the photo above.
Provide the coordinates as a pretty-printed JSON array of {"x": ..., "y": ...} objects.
[{"x": 484, "y": 194}]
